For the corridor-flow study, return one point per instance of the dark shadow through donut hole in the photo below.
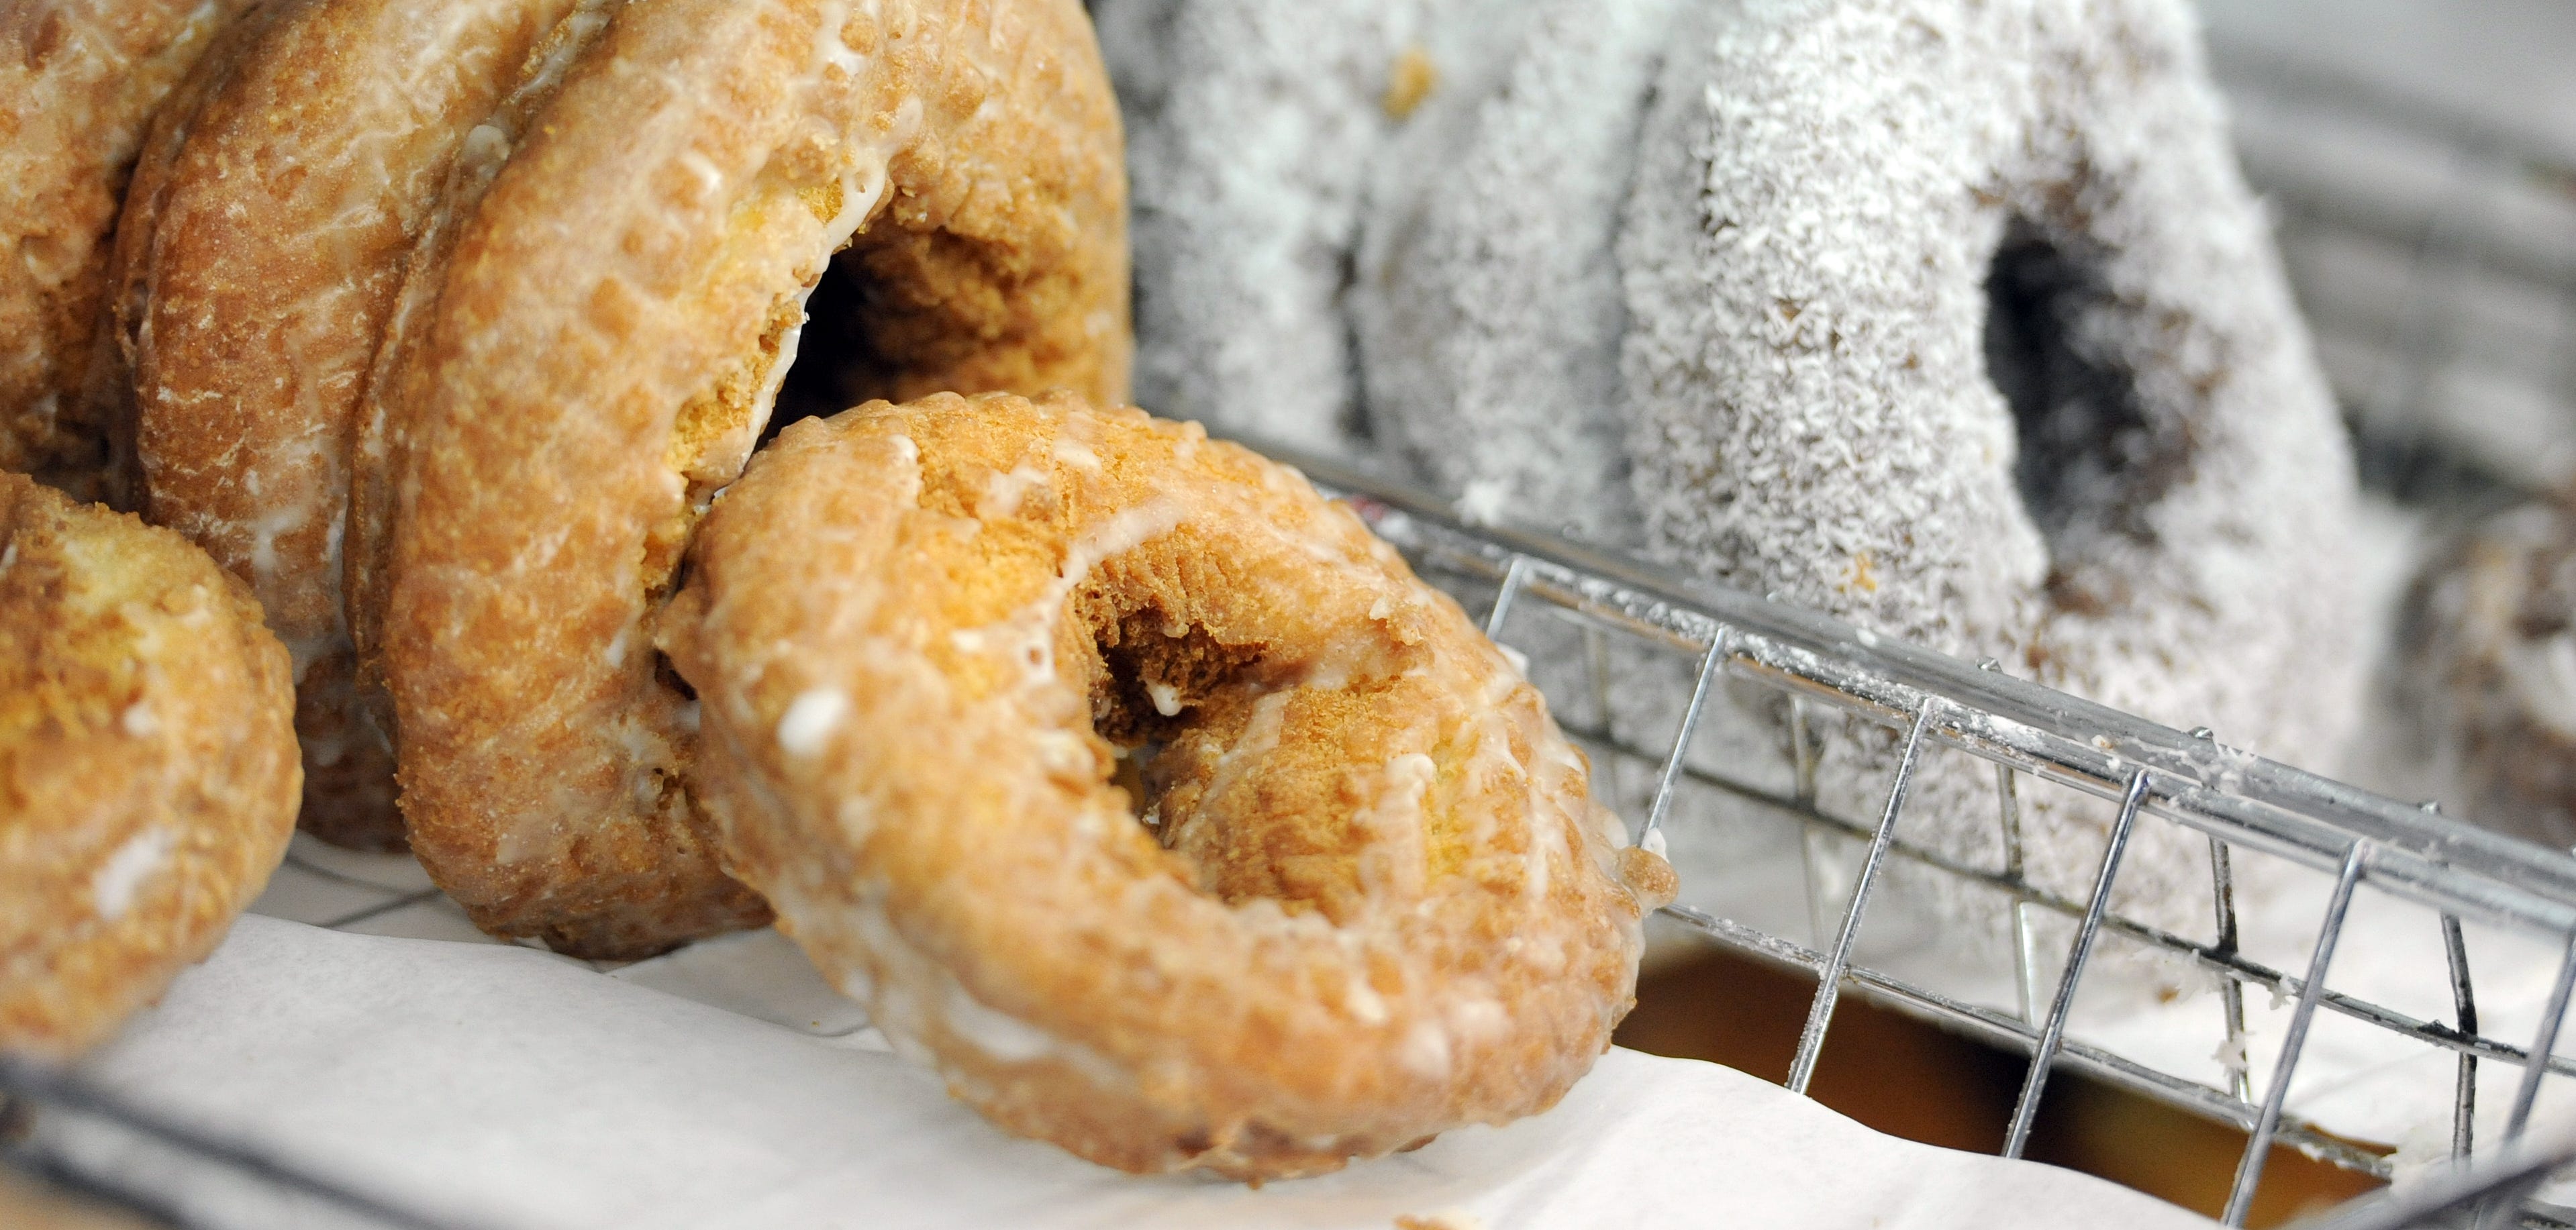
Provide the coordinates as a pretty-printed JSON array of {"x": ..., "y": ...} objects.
[
  {"x": 1154, "y": 671},
  {"x": 2091, "y": 454},
  {"x": 834, "y": 365}
]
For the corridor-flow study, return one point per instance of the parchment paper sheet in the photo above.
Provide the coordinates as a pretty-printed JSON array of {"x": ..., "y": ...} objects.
[{"x": 505, "y": 1087}]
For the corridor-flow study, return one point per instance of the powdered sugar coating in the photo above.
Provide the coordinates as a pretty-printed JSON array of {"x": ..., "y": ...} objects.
[
  {"x": 2488, "y": 688},
  {"x": 1251, "y": 127},
  {"x": 1818, "y": 417},
  {"x": 1488, "y": 305},
  {"x": 1806, "y": 379}
]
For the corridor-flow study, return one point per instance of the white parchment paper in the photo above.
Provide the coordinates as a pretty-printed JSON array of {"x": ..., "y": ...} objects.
[{"x": 505, "y": 1087}]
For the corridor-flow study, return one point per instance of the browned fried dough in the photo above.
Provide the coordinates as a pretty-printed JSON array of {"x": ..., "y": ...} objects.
[
  {"x": 591, "y": 338},
  {"x": 258, "y": 271},
  {"x": 1369, "y": 898},
  {"x": 80, "y": 81},
  {"x": 147, "y": 764}
]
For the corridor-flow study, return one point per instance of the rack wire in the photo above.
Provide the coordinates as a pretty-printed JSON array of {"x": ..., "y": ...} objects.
[
  {"x": 2024, "y": 730},
  {"x": 1943, "y": 706},
  {"x": 2396, "y": 337}
]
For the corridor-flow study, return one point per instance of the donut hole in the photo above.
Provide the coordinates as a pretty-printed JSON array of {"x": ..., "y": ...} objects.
[
  {"x": 2093, "y": 454},
  {"x": 900, "y": 314},
  {"x": 1154, "y": 672},
  {"x": 1232, "y": 755},
  {"x": 832, "y": 359}
]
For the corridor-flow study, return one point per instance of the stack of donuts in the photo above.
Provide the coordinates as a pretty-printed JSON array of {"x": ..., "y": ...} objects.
[
  {"x": 1953, "y": 320},
  {"x": 1126, "y": 781}
]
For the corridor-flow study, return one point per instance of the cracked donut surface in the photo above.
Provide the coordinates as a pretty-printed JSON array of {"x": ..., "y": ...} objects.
[
  {"x": 147, "y": 764},
  {"x": 1364, "y": 896},
  {"x": 590, "y": 338},
  {"x": 259, "y": 259},
  {"x": 80, "y": 82}
]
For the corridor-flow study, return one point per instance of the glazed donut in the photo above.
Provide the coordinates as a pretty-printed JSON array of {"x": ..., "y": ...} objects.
[
  {"x": 1968, "y": 330},
  {"x": 2486, "y": 672},
  {"x": 256, "y": 268},
  {"x": 589, "y": 339},
  {"x": 1368, "y": 899},
  {"x": 147, "y": 764},
  {"x": 80, "y": 81}
]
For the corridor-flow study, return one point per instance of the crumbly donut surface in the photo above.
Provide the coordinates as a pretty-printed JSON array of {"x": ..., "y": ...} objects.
[
  {"x": 80, "y": 81},
  {"x": 258, "y": 272},
  {"x": 148, "y": 770},
  {"x": 1369, "y": 900},
  {"x": 590, "y": 340}
]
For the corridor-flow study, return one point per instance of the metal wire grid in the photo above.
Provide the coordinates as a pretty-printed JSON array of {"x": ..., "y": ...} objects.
[
  {"x": 2024, "y": 730},
  {"x": 2405, "y": 341}
]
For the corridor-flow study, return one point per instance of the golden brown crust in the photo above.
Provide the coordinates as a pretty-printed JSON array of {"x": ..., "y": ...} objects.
[
  {"x": 587, "y": 357},
  {"x": 259, "y": 268},
  {"x": 147, "y": 764},
  {"x": 79, "y": 83},
  {"x": 1381, "y": 904}
]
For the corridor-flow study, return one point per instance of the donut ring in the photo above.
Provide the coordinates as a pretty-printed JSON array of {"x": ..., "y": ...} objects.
[
  {"x": 1252, "y": 125},
  {"x": 80, "y": 81},
  {"x": 1381, "y": 903},
  {"x": 257, "y": 274},
  {"x": 1487, "y": 305},
  {"x": 147, "y": 764},
  {"x": 1966, "y": 329},
  {"x": 2487, "y": 682},
  {"x": 588, "y": 350}
]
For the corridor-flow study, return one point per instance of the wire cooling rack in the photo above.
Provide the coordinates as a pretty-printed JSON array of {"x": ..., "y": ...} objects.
[
  {"x": 2029, "y": 734},
  {"x": 2436, "y": 260},
  {"x": 2154, "y": 773}
]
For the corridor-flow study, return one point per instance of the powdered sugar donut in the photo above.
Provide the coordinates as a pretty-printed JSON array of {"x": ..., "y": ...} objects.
[
  {"x": 2486, "y": 682},
  {"x": 1253, "y": 128},
  {"x": 1953, "y": 320},
  {"x": 1487, "y": 304},
  {"x": 1358, "y": 896},
  {"x": 1969, "y": 330}
]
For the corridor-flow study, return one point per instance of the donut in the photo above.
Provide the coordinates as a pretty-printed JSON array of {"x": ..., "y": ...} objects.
[
  {"x": 1954, "y": 321},
  {"x": 1487, "y": 304},
  {"x": 256, "y": 271},
  {"x": 1355, "y": 893},
  {"x": 1252, "y": 126},
  {"x": 148, "y": 769},
  {"x": 80, "y": 81},
  {"x": 2485, "y": 673},
  {"x": 589, "y": 339},
  {"x": 1971, "y": 332}
]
